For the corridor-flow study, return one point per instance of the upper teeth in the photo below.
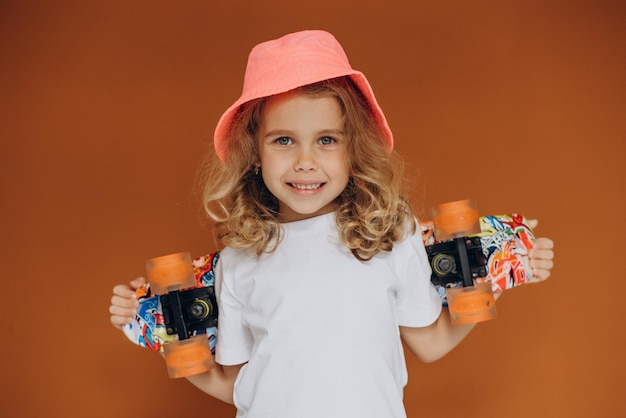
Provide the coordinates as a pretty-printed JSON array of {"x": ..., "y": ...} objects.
[{"x": 307, "y": 186}]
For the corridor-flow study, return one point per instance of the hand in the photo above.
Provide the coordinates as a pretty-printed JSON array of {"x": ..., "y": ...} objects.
[
  {"x": 124, "y": 302},
  {"x": 541, "y": 255}
]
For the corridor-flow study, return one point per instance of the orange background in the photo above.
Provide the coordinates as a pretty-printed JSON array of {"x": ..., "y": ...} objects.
[{"x": 107, "y": 108}]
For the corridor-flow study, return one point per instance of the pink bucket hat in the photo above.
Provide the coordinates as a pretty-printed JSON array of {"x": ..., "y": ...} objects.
[{"x": 293, "y": 61}]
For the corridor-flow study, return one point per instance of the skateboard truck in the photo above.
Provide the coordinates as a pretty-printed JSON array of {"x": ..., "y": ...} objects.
[
  {"x": 186, "y": 308},
  {"x": 457, "y": 258},
  {"x": 186, "y": 311}
]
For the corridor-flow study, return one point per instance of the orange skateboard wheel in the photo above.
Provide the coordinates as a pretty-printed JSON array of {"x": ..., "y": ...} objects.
[
  {"x": 188, "y": 357},
  {"x": 473, "y": 304},
  {"x": 455, "y": 219},
  {"x": 170, "y": 272}
]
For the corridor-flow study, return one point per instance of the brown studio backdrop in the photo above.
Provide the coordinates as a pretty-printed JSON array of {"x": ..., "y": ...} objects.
[{"x": 107, "y": 109}]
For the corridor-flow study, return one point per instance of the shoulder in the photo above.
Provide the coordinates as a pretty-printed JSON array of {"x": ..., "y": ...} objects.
[
  {"x": 412, "y": 240},
  {"x": 409, "y": 254},
  {"x": 236, "y": 267}
]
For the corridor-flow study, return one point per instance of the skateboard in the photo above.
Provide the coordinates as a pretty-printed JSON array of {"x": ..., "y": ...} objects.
[
  {"x": 472, "y": 257},
  {"x": 177, "y": 313}
]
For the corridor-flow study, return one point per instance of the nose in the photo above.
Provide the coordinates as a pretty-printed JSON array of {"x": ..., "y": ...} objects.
[{"x": 306, "y": 160}]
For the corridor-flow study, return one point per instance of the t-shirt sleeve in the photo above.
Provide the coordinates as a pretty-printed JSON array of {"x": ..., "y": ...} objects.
[
  {"x": 418, "y": 303},
  {"x": 234, "y": 341}
]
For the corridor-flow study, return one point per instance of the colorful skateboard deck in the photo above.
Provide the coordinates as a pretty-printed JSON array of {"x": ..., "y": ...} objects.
[
  {"x": 500, "y": 253},
  {"x": 148, "y": 328},
  {"x": 500, "y": 257}
]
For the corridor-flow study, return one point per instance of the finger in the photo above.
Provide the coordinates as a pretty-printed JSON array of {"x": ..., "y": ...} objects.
[
  {"x": 124, "y": 301},
  {"x": 118, "y": 321},
  {"x": 539, "y": 264},
  {"x": 137, "y": 283},
  {"x": 121, "y": 320},
  {"x": 123, "y": 290},
  {"x": 121, "y": 316},
  {"x": 540, "y": 275},
  {"x": 532, "y": 223},
  {"x": 130, "y": 289},
  {"x": 542, "y": 249},
  {"x": 539, "y": 254},
  {"x": 543, "y": 243},
  {"x": 122, "y": 310}
]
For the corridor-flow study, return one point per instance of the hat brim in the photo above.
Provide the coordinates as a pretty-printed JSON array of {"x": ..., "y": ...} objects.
[{"x": 226, "y": 120}]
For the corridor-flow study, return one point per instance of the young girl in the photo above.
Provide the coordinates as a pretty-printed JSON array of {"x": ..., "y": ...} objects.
[{"x": 323, "y": 274}]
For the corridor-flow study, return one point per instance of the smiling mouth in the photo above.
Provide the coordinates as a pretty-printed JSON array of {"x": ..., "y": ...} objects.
[{"x": 306, "y": 186}]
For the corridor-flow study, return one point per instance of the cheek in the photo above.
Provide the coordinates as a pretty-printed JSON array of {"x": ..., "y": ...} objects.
[
  {"x": 271, "y": 176},
  {"x": 346, "y": 167},
  {"x": 266, "y": 175},
  {"x": 342, "y": 174}
]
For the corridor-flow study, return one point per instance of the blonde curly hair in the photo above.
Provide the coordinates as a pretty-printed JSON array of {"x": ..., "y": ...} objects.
[{"x": 372, "y": 212}]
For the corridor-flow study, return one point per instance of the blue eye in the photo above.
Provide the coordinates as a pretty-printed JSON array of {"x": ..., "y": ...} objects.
[
  {"x": 327, "y": 140},
  {"x": 283, "y": 140}
]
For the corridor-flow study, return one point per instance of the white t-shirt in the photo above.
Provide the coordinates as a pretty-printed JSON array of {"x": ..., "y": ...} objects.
[{"x": 319, "y": 328}]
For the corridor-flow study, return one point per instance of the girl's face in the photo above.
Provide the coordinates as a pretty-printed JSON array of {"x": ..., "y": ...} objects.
[{"x": 303, "y": 153}]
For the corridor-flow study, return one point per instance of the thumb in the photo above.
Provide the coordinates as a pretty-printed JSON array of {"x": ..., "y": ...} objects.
[{"x": 137, "y": 283}]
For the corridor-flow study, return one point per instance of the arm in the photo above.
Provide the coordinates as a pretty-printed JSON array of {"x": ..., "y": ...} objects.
[
  {"x": 218, "y": 382},
  {"x": 436, "y": 340}
]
